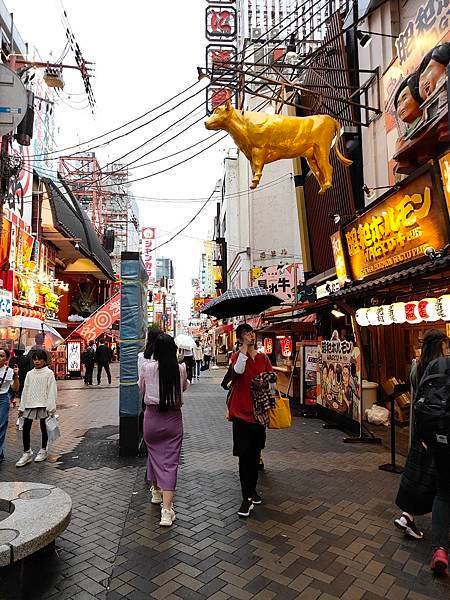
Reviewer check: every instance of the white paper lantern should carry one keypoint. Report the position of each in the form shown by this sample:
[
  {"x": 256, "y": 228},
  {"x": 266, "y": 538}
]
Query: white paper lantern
[
  {"x": 412, "y": 312},
  {"x": 386, "y": 315},
  {"x": 372, "y": 315},
  {"x": 428, "y": 309},
  {"x": 443, "y": 307},
  {"x": 397, "y": 312},
  {"x": 361, "y": 317}
]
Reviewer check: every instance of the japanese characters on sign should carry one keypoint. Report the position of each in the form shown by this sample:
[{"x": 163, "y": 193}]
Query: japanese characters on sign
[
  {"x": 281, "y": 279},
  {"x": 73, "y": 356},
  {"x": 221, "y": 28},
  {"x": 221, "y": 22},
  {"x": 5, "y": 303},
  {"x": 431, "y": 23},
  {"x": 444, "y": 164},
  {"x": 398, "y": 230},
  {"x": 268, "y": 345},
  {"x": 101, "y": 320},
  {"x": 148, "y": 251},
  {"x": 219, "y": 61},
  {"x": 339, "y": 377},
  {"x": 415, "y": 86}
]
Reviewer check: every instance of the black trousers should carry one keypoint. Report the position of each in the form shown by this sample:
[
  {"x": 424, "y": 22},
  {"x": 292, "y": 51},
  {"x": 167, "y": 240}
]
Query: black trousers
[
  {"x": 189, "y": 362},
  {"x": 248, "y": 441},
  {"x": 101, "y": 366},
  {"x": 27, "y": 423},
  {"x": 88, "y": 372},
  {"x": 207, "y": 360}
]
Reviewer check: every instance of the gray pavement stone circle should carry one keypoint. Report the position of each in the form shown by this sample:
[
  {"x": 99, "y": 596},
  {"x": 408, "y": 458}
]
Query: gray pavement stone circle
[{"x": 323, "y": 532}]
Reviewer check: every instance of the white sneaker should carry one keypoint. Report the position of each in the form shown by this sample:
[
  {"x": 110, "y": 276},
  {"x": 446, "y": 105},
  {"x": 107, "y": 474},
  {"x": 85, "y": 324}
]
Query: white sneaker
[
  {"x": 41, "y": 455},
  {"x": 156, "y": 495},
  {"x": 167, "y": 517},
  {"x": 26, "y": 458}
]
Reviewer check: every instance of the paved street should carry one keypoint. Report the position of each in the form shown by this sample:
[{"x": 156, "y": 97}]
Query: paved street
[{"x": 324, "y": 531}]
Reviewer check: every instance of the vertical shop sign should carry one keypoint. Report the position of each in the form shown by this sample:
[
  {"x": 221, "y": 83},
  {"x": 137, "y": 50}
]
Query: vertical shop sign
[
  {"x": 5, "y": 242},
  {"x": 73, "y": 356},
  {"x": 148, "y": 250},
  {"x": 444, "y": 164},
  {"x": 221, "y": 28},
  {"x": 339, "y": 258},
  {"x": 339, "y": 377},
  {"x": 5, "y": 303}
]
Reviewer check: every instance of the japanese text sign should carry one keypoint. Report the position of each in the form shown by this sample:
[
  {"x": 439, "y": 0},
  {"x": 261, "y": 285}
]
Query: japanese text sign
[
  {"x": 339, "y": 377},
  {"x": 424, "y": 31},
  {"x": 148, "y": 250},
  {"x": 397, "y": 230},
  {"x": 221, "y": 22},
  {"x": 5, "y": 303},
  {"x": 281, "y": 280},
  {"x": 101, "y": 320}
]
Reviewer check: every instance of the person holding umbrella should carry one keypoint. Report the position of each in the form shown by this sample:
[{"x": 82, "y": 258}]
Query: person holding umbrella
[{"x": 248, "y": 436}]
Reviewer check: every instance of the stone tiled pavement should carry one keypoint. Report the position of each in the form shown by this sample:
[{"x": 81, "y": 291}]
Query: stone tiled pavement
[{"x": 324, "y": 531}]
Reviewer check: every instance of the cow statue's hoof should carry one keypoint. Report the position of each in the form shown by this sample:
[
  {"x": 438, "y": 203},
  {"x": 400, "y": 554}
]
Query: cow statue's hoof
[{"x": 324, "y": 188}]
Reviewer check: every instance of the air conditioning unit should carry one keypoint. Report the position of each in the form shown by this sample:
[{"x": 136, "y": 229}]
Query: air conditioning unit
[
  {"x": 256, "y": 33},
  {"x": 275, "y": 34}
]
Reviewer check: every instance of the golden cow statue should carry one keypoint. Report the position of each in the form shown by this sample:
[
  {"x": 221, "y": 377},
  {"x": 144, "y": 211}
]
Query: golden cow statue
[{"x": 265, "y": 138}]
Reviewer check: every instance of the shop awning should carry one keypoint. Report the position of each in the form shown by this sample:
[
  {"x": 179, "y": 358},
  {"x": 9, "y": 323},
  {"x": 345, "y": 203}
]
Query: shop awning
[
  {"x": 72, "y": 221},
  {"x": 299, "y": 323},
  {"x": 418, "y": 272}
]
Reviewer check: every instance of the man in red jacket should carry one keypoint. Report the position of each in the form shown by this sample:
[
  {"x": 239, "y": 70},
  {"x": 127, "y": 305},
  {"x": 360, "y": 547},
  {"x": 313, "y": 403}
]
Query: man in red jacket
[{"x": 248, "y": 436}]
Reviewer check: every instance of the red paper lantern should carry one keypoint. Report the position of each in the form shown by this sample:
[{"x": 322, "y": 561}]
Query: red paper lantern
[{"x": 268, "y": 345}]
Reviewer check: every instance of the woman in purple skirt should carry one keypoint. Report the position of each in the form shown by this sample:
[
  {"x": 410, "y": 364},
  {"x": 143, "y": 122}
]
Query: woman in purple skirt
[{"x": 163, "y": 381}]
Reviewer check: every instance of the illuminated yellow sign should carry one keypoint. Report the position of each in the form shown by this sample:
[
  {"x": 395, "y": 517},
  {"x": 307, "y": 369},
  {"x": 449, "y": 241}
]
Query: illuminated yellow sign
[
  {"x": 444, "y": 164},
  {"x": 398, "y": 230}
]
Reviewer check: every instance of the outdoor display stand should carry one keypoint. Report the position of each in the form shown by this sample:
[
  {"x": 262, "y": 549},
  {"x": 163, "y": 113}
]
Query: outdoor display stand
[
  {"x": 392, "y": 467},
  {"x": 339, "y": 387},
  {"x": 306, "y": 361}
]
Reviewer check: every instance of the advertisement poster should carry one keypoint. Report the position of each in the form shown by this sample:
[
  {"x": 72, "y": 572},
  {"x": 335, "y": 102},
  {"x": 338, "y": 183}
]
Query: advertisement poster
[
  {"x": 101, "y": 320},
  {"x": 415, "y": 86},
  {"x": 281, "y": 280},
  {"x": 339, "y": 377},
  {"x": 309, "y": 373},
  {"x": 73, "y": 356}
]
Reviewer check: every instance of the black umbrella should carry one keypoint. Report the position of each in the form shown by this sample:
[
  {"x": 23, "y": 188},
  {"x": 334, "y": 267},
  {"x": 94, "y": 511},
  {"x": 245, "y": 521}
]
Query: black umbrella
[{"x": 235, "y": 303}]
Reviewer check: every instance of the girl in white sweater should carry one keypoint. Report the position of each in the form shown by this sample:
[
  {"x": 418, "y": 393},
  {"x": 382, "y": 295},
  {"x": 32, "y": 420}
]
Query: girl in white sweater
[{"x": 37, "y": 402}]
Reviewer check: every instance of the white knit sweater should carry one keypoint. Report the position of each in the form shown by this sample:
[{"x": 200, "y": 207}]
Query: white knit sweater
[{"x": 39, "y": 390}]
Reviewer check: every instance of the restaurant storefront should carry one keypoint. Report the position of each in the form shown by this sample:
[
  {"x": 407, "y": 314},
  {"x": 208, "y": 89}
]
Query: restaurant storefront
[{"x": 394, "y": 265}]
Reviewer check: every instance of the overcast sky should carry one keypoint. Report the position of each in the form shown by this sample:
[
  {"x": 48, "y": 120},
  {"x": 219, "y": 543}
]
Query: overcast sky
[{"x": 145, "y": 52}]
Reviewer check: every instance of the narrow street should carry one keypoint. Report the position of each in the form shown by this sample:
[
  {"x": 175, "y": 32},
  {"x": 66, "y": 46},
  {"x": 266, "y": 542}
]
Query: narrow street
[{"x": 324, "y": 531}]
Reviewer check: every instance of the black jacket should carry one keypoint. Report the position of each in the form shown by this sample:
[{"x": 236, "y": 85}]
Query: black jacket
[{"x": 103, "y": 355}]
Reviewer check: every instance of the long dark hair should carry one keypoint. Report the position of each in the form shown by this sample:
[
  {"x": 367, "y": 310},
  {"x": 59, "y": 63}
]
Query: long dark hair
[
  {"x": 165, "y": 353},
  {"x": 431, "y": 349},
  {"x": 152, "y": 334}
]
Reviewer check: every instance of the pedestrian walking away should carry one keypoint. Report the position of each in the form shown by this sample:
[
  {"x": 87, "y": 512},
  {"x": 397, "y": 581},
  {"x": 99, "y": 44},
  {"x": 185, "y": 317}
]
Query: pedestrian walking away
[
  {"x": 417, "y": 488},
  {"x": 103, "y": 356},
  {"x": 207, "y": 353},
  {"x": 163, "y": 381},
  {"x": 9, "y": 381},
  {"x": 38, "y": 401},
  {"x": 248, "y": 436},
  {"x": 188, "y": 359},
  {"x": 198, "y": 359},
  {"x": 88, "y": 360}
]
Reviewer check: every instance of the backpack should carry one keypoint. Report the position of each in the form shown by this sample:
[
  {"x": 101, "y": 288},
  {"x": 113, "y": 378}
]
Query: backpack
[{"x": 432, "y": 404}]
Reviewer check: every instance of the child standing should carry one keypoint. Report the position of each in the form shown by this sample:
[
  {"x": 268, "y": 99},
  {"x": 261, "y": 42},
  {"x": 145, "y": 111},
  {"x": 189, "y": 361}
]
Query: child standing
[{"x": 37, "y": 402}]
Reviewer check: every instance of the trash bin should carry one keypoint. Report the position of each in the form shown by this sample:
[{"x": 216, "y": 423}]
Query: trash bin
[{"x": 369, "y": 395}]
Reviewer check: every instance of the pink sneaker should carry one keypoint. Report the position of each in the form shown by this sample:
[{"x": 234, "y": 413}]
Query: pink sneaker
[{"x": 439, "y": 561}]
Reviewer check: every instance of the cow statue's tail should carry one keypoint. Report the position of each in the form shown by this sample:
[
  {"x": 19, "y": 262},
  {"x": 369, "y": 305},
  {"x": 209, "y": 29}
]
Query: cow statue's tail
[{"x": 344, "y": 160}]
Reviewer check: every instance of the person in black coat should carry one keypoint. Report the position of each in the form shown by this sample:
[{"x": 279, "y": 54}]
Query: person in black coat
[
  {"x": 88, "y": 360},
  {"x": 103, "y": 356}
]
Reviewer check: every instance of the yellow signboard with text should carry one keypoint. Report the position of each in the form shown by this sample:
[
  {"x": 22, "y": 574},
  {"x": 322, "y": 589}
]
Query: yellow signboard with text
[{"x": 397, "y": 230}]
